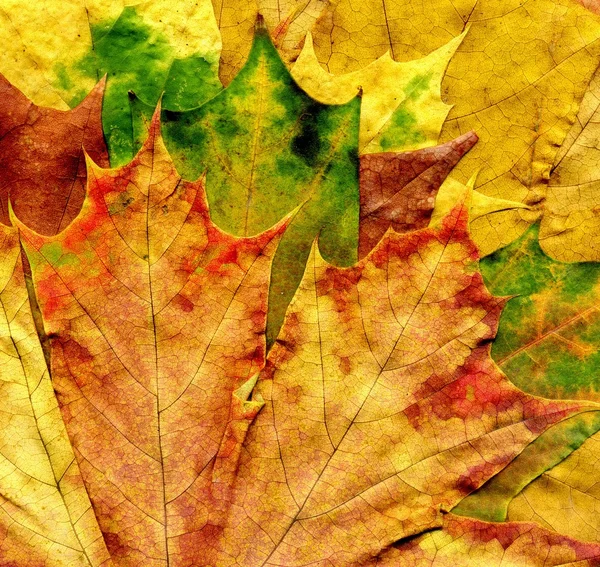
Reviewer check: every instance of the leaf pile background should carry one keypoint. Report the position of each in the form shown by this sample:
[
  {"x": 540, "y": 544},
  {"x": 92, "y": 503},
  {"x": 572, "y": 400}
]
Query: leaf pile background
[{"x": 299, "y": 283}]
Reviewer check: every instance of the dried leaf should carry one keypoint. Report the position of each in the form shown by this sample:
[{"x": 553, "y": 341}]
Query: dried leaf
[
  {"x": 289, "y": 20},
  {"x": 380, "y": 383},
  {"x": 156, "y": 318},
  {"x": 45, "y": 514},
  {"x": 548, "y": 339},
  {"x": 42, "y": 162},
  {"x": 56, "y": 52},
  {"x": 517, "y": 80},
  {"x": 398, "y": 190},
  {"x": 569, "y": 229}
]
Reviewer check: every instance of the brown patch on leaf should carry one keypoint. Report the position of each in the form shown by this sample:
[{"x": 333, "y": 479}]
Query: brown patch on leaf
[
  {"x": 42, "y": 160},
  {"x": 398, "y": 189}
]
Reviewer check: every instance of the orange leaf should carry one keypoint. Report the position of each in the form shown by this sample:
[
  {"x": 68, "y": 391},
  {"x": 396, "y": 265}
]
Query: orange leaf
[{"x": 382, "y": 406}]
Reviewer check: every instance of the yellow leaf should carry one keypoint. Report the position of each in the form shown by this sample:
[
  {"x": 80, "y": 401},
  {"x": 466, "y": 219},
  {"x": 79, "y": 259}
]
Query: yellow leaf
[
  {"x": 45, "y": 514},
  {"x": 401, "y": 108},
  {"x": 481, "y": 208},
  {"x": 289, "y": 21},
  {"x": 570, "y": 228},
  {"x": 566, "y": 498},
  {"x": 517, "y": 80}
]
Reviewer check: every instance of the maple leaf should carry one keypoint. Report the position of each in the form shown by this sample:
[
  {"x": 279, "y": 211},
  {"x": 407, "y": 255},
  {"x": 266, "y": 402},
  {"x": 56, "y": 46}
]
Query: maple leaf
[
  {"x": 380, "y": 384},
  {"x": 517, "y": 79},
  {"x": 401, "y": 106},
  {"x": 55, "y": 55},
  {"x": 269, "y": 148},
  {"x": 548, "y": 339},
  {"x": 42, "y": 157}
]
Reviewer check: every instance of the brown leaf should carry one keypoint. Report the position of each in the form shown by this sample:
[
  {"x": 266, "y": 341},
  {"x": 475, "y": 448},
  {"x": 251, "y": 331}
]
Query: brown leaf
[
  {"x": 398, "y": 189},
  {"x": 42, "y": 162}
]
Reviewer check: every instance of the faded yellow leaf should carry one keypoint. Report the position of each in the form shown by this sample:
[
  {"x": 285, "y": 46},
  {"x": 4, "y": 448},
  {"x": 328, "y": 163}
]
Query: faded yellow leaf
[
  {"x": 566, "y": 498},
  {"x": 45, "y": 514},
  {"x": 402, "y": 108},
  {"x": 570, "y": 228},
  {"x": 517, "y": 80},
  {"x": 288, "y": 20}
]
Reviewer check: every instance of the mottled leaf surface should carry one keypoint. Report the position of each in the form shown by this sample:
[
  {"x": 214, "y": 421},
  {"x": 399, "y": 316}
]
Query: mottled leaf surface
[
  {"x": 45, "y": 513},
  {"x": 398, "y": 190},
  {"x": 472, "y": 543},
  {"x": 268, "y": 148},
  {"x": 401, "y": 106},
  {"x": 566, "y": 498},
  {"x": 156, "y": 318},
  {"x": 42, "y": 162},
  {"x": 548, "y": 339},
  {"x": 516, "y": 79},
  {"x": 382, "y": 408}
]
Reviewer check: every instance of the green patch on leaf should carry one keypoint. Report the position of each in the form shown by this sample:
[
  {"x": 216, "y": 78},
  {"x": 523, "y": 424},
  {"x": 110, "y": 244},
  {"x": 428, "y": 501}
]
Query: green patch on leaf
[
  {"x": 136, "y": 57},
  {"x": 549, "y": 334},
  {"x": 267, "y": 149},
  {"x": 490, "y": 503}
]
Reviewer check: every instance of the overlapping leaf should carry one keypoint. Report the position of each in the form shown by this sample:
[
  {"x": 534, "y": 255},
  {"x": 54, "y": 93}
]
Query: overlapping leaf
[
  {"x": 472, "y": 543},
  {"x": 380, "y": 384},
  {"x": 165, "y": 320},
  {"x": 517, "y": 80},
  {"x": 269, "y": 148},
  {"x": 42, "y": 162},
  {"x": 45, "y": 514},
  {"x": 398, "y": 190},
  {"x": 56, "y": 52},
  {"x": 401, "y": 106},
  {"x": 566, "y": 498}
]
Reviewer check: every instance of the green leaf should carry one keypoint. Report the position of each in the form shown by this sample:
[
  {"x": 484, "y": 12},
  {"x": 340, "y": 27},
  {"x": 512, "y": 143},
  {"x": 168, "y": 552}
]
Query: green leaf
[
  {"x": 137, "y": 54},
  {"x": 268, "y": 148},
  {"x": 548, "y": 341}
]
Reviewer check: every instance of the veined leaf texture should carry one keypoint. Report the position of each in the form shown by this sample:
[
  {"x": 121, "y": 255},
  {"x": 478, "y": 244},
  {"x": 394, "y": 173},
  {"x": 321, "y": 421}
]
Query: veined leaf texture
[{"x": 299, "y": 283}]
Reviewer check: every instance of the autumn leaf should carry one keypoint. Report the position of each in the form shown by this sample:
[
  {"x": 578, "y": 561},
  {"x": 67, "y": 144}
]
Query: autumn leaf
[
  {"x": 472, "y": 543},
  {"x": 45, "y": 514},
  {"x": 398, "y": 190},
  {"x": 565, "y": 498},
  {"x": 401, "y": 106},
  {"x": 57, "y": 52},
  {"x": 569, "y": 229},
  {"x": 159, "y": 299},
  {"x": 42, "y": 161},
  {"x": 290, "y": 20},
  {"x": 517, "y": 79},
  {"x": 548, "y": 338},
  {"x": 269, "y": 148},
  {"x": 380, "y": 383},
  {"x": 154, "y": 48},
  {"x": 547, "y": 344}
]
